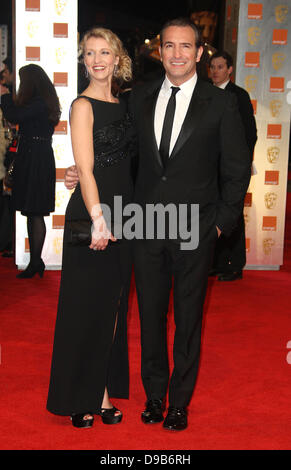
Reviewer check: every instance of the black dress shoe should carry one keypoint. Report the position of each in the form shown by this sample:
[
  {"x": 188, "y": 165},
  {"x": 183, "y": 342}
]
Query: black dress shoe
[
  {"x": 230, "y": 276},
  {"x": 153, "y": 412},
  {"x": 176, "y": 419}
]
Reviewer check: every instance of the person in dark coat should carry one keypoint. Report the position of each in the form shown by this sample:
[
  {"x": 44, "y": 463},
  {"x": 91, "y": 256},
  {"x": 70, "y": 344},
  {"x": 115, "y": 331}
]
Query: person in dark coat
[
  {"x": 37, "y": 111},
  {"x": 230, "y": 251}
]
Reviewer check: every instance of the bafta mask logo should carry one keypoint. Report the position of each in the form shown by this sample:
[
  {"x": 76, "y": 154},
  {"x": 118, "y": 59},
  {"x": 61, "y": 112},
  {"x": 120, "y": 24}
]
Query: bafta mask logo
[
  {"x": 247, "y": 218},
  {"x": 32, "y": 28},
  {"x": 251, "y": 82},
  {"x": 275, "y": 107},
  {"x": 206, "y": 22},
  {"x": 58, "y": 245},
  {"x": 281, "y": 12},
  {"x": 273, "y": 154},
  {"x": 60, "y": 198},
  {"x": 59, "y": 151},
  {"x": 278, "y": 60},
  {"x": 254, "y": 34},
  {"x": 60, "y": 6},
  {"x": 268, "y": 244},
  {"x": 60, "y": 55},
  {"x": 270, "y": 200}
]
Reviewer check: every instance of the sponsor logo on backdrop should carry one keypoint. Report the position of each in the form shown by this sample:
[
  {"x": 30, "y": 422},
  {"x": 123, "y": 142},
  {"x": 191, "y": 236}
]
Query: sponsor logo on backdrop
[
  {"x": 234, "y": 35},
  {"x": 32, "y": 54},
  {"x": 228, "y": 13},
  {"x": 274, "y": 131},
  {"x": 281, "y": 12},
  {"x": 272, "y": 177},
  {"x": 32, "y": 29},
  {"x": 60, "y": 6},
  {"x": 275, "y": 107},
  {"x": 61, "y": 30},
  {"x": 268, "y": 244},
  {"x": 60, "y": 175},
  {"x": 60, "y": 54},
  {"x": 280, "y": 36},
  {"x": 255, "y": 11},
  {"x": 254, "y": 35},
  {"x": 61, "y": 128},
  {"x": 60, "y": 78},
  {"x": 278, "y": 60},
  {"x": 269, "y": 224},
  {"x": 252, "y": 59},
  {"x": 32, "y": 5},
  {"x": 277, "y": 84},
  {"x": 255, "y": 105},
  {"x": 248, "y": 245},
  {"x": 57, "y": 245},
  {"x": 273, "y": 154},
  {"x": 247, "y": 218},
  {"x": 58, "y": 222},
  {"x": 270, "y": 200},
  {"x": 251, "y": 82},
  {"x": 60, "y": 198},
  {"x": 26, "y": 245},
  {"x": 248, "y": 200},
  {"x": 59, "y": 151}
]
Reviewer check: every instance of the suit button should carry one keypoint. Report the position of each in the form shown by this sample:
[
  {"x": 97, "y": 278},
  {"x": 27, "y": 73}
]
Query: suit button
[{"x": 164, "y": 178}]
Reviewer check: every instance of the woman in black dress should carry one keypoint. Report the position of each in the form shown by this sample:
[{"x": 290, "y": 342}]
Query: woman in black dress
[
  {"x": 37, "y": 111},
  {"x": 90, "y": 361}
]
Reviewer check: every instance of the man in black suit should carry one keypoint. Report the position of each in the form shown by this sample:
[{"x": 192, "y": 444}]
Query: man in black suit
[
  {"x": 192, "y": 151},
  {"x": 230, "y": 251},
  {"x": 199, "y": 158}
]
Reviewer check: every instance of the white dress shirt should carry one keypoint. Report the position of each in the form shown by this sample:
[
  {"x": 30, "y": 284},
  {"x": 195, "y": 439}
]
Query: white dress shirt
[
  {"x": 183, "y": 98},
  {"x": 223, "y": 85}
]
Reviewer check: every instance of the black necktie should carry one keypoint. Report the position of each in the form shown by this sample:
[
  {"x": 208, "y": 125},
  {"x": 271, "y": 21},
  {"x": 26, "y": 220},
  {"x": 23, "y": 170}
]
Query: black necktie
[{"x": 167, "y": 126}]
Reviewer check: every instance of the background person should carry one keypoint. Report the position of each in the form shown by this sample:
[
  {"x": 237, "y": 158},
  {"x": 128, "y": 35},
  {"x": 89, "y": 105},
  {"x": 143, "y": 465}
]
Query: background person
[
  {"x": 37, "y": 112},
  {"x": 230, "y": 251}
]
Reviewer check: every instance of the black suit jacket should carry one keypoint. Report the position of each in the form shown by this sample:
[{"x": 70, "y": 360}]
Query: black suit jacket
[
  {"x": 247, "y": 114},
  {"x": 211, "y": 145}
]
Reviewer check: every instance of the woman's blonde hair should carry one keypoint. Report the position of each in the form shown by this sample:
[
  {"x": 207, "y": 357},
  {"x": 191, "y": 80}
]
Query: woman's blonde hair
[{"x": 123, "y": 71}]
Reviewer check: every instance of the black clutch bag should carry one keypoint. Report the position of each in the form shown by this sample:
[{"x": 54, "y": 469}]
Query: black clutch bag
[{"x": 79, "y": 232}]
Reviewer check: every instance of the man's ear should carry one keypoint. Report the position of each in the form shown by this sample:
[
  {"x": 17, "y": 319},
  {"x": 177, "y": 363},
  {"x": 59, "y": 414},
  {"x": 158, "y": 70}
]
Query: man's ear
[{"x": 199, "y": 54}]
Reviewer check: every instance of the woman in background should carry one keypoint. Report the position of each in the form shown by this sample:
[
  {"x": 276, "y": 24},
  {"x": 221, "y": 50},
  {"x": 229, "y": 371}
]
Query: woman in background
[{"x": 37, "y": 111}]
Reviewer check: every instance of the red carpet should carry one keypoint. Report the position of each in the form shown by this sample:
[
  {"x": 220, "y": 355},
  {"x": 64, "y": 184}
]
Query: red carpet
[{"x": 243, "y": 394}]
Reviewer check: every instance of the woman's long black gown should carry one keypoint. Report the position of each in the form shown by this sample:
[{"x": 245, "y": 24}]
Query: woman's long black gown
[{"x": 87, "y": 356}]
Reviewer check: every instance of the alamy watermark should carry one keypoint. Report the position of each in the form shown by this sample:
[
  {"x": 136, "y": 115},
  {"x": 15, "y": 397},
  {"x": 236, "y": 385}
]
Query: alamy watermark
[{"x": 154, "y": 221}]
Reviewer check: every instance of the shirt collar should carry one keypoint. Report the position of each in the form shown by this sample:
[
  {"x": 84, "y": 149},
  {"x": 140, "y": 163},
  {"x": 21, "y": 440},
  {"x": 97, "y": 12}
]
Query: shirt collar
[
  {"x": 223, "y": 85},
  {"x": 186, "y": 88}
]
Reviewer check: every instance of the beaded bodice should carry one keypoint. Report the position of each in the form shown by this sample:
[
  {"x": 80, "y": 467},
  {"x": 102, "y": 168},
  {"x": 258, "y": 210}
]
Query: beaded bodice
[{"x": 114, "y": 142}]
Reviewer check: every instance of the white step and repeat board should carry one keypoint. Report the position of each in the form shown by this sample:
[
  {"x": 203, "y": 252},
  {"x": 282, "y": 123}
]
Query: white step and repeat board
[
  {"x": 263, "y": 68},
  {"x": 46, "y": 34}
]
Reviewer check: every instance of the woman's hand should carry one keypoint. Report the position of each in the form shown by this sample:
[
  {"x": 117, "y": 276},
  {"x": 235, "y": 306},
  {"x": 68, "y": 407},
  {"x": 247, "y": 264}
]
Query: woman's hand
[
  {"x": 100, "y": 234},
  {"x": 71, "y": 177}
]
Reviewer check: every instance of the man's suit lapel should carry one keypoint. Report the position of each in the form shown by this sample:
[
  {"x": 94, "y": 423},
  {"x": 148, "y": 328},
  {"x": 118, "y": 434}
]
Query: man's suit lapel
[
  {"x": 197, "y": 108},
  {"x": 149, "y": 119}
]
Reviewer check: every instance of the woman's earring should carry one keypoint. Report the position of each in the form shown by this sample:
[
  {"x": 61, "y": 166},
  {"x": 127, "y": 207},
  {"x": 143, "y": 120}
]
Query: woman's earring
[
  {"x": 86, "y": 72},
  {"x": 115, "y": 70}
]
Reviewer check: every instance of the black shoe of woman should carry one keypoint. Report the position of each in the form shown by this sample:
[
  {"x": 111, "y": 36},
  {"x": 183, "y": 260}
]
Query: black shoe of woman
[
  {"x": 82, "y": 420},
  {"x": 109, "y": 415},
  {"x": 31, "y": 270}
]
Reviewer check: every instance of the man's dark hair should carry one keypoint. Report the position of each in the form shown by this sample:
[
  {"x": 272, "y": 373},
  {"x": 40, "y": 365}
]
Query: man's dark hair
[
  {"x": 225, "y": 55},
  {"x": 182, "y": 22}
]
